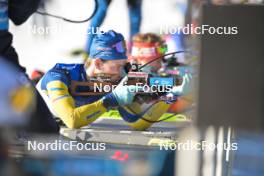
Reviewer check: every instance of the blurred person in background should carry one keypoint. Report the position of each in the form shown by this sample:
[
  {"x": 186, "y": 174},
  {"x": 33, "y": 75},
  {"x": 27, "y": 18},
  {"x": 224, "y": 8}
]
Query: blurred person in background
[
  {"x": 19, "y": 11},
  {"x": 17, "y": 103},
  {"x": 17, "y": 96},
  {"x": 148, "y": 46},
  {"x": 134, "y": 8},
  {"x": 36, "y": 75}
]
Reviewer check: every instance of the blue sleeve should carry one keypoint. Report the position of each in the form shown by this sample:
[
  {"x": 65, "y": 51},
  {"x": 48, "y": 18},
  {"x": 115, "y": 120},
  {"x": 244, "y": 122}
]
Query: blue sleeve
[
  {"x": 54, "y": 75},
  {"x": 3, "y": 15},
  {"x": 128, "y": 117}
]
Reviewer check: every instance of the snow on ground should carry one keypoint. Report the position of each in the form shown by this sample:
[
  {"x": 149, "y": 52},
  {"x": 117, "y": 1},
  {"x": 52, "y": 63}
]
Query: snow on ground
[{"x": 43, "y": 51}]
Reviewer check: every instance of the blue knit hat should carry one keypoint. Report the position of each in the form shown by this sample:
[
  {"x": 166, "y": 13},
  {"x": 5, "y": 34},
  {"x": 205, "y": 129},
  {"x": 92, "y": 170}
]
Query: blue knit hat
[{"x": 108, "y": 46}]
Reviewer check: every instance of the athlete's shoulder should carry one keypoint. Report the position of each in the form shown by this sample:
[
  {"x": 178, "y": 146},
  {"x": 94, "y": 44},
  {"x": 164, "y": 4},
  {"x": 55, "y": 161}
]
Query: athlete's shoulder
[
  {"x": 68, "y": 67},
  {"x": 62, "y": 72}
]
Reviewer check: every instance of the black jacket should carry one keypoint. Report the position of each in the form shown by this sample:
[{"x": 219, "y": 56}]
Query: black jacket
[{"x": 18, "y": 11}]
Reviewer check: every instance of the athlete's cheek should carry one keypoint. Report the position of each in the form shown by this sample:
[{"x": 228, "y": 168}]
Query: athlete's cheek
[{"x": 115, "y": 69}]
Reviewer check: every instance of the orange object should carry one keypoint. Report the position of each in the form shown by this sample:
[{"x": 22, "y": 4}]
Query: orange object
[
  {"x": 179, "y": 106},
  {"x": 36, "y": 74},
  {"x": 120, "y": 156}
]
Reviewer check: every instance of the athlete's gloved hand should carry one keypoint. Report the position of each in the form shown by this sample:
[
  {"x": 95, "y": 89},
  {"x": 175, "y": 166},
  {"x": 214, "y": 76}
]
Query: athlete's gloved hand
[
  {"x": 122, "y": 95},
  {"x": 125, "y": 94},
  {"x": 180, "y": 90},
  {"x": 184, "y": 88}
]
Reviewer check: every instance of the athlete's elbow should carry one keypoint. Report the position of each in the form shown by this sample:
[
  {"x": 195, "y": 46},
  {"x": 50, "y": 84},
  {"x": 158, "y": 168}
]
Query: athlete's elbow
[
  {"x": 72, "y": 125},
  {"x": 72, "y": 122}
]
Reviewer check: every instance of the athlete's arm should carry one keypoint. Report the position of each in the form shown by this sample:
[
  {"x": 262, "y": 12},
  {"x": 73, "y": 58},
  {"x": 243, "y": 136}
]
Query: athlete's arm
[
  {"x": 64, "y": 106},
  {"x": 151, "y": 114},
  {"x": 62, "y": 103},
  {"x": 54, "y": 88}
]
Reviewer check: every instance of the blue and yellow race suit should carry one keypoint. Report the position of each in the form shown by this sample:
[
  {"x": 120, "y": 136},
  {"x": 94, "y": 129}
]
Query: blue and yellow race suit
[{"x": 78, "y": 111}]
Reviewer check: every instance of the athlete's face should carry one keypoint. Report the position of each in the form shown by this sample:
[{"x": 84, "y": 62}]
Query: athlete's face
[
  {"x": 112, "y": 68},
  {"x": 156, "y": 64}
]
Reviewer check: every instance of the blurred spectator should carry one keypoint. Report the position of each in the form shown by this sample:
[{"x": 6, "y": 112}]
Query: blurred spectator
[
  {"x": 134, "y": 7},
  {"x": 17, "y": 96},
  {"x": 146, "y": 47},
  {"x": 36, "y": 75},
  {"x": 19, "y": 11}
]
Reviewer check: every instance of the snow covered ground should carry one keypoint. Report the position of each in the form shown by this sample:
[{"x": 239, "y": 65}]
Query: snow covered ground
[{"x": 37, "y": 50}]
